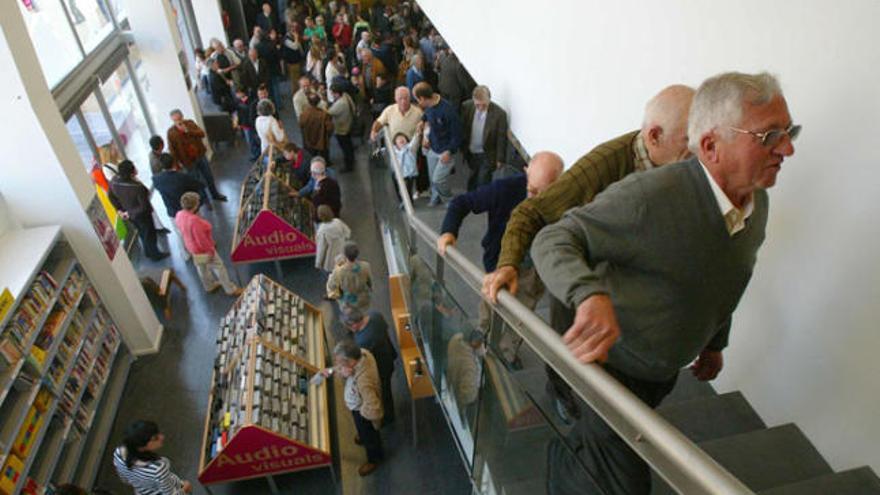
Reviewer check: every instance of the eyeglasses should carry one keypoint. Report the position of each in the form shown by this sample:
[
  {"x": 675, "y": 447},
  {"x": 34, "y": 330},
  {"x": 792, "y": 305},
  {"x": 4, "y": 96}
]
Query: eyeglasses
[{"x": 772, "y": 137}]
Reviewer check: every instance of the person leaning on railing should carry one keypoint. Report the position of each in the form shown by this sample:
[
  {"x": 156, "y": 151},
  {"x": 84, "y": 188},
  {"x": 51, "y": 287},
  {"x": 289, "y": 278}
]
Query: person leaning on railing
[
  {"x": 661, "y": 140},
  {"x": 498, "y": 199},
  {"x": 657, "y": 264}
]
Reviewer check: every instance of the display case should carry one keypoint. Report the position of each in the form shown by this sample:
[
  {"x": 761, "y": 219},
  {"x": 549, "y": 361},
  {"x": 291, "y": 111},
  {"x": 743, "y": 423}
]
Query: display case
[
  {"x": 60, "y": 348},
  {"x": 264, "y": 416},
  {"x": 272, "y": 224}
]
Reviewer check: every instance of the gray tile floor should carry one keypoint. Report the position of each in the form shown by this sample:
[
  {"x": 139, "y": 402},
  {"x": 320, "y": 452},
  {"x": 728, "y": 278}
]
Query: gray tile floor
[{"x": 172, "y": 386}]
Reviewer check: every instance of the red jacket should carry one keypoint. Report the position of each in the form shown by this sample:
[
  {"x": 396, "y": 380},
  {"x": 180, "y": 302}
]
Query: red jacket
[{"x": 342, "y": 34}]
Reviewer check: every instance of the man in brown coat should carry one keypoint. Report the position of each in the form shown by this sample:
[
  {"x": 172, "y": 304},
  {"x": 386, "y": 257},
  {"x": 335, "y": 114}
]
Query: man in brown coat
[
  {"x": 185, "y": 143},
  {"x": 316, "y": 125},
  {"x": 363, "y": 397}
]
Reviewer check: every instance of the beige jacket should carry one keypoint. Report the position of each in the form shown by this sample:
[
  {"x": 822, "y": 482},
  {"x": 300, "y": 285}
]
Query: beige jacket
[{"x": 366, "y": 378}]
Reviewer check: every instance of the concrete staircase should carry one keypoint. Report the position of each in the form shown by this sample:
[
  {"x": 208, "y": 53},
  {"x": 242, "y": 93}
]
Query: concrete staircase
[{"x": 776, "y": 460}]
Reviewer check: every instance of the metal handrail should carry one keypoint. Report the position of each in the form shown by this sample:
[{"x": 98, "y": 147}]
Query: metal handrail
[{"x": 680, "y": 462}]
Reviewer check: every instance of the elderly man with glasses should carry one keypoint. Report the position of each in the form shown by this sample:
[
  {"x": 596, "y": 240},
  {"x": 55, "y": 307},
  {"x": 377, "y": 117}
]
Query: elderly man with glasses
[{"x": 657, "y": 263}]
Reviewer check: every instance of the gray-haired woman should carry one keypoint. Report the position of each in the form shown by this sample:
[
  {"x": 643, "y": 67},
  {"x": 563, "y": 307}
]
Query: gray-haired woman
[{"x": 271, "y": 131}]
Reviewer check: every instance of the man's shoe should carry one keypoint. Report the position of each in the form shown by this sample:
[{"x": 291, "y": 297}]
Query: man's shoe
[
  {"x": 221, "y": 198},
  {"x": 367, "y": 469},
  {"x": 435, "y": 202}
]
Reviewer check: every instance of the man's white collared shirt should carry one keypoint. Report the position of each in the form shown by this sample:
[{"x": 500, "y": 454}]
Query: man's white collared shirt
[{"x": 734, "y": 218}]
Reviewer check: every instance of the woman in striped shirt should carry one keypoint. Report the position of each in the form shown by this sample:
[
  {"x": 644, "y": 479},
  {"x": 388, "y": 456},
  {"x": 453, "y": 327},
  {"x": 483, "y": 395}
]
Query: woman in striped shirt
[{"x": 138, "y": 464}]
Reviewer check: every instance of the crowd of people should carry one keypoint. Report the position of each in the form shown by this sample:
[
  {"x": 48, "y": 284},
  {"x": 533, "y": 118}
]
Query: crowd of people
[{"x": 645, "y": 244}]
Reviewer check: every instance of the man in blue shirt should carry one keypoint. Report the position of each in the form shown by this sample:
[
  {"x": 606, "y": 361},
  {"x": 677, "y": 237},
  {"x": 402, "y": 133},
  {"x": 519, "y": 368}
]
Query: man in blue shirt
[
  {"x": 172, "y": 183},
  {"x": 499, "y": 198},
  {"x": 445, "y": 138}
]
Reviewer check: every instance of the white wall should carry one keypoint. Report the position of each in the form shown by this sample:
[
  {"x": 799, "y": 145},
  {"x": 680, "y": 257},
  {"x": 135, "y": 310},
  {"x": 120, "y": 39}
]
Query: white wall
[
  {"x": 574, "y": 73},
  {"x": 6, "y": 221},
  {"x": 44, "y": 183}
]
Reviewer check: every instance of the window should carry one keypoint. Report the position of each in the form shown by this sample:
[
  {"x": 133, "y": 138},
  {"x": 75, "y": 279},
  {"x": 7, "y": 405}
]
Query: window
[
  {"x": 117, "y": 7},
  {"x": 81, "y": 141},
  {"x": 54, "y": 41},
  {"x": 100, "y": 131},
  {"x": 92, "y": 21},
  {"x": 128, "y": 119}
]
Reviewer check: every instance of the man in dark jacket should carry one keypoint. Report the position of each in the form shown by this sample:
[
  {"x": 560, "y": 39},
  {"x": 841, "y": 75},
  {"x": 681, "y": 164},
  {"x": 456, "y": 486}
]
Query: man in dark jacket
[
  {"x": 371, "y": 332},
  {"x": 172, "y": 183},
  {"x": 324, "y": 190},
  {"x": 498, "y": 199},
  {"x": 269, "y": 50},
  {"x": 453, "y": 81},
  {"x": 253, "y": 71},
  {"x": 246, "y": 110},
  {"x": 132, "y": 199},
  {"x": 484, "y": 130}
]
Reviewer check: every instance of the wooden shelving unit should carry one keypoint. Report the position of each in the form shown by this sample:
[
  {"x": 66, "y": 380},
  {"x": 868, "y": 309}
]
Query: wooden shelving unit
[
  {"x": 264, "y": 416},
  {"x": 271, "y": 224},
  {"x": 60, "y": 347}
]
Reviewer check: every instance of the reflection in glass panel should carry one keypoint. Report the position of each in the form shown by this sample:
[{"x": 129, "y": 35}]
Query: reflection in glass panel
[
  {"x": 53, "y": 39},
  {"x": 453, "y": 350},
  {"x": 107, "y": 151},
  {"x": 82, "y": 143},
  {"x": 128, "y": 117},
  {"x": 91, "y": 20}
]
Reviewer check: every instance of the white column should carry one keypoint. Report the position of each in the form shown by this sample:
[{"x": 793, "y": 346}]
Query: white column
[
  {"x": 44, "y": 182},
  {"x": 210, "y": 21},
  {"x": 156, "y": 36}
]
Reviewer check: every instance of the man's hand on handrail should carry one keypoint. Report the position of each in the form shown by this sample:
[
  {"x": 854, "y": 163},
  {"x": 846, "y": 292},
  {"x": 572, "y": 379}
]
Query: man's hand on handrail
[
  {"x": 594, "y": 331},
  {"x": 444, "y": 241},
  {"x": 505, "y": 277}
]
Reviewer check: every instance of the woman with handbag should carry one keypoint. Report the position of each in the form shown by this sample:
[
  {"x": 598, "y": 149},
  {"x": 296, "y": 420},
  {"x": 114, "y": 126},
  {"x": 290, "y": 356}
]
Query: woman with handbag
[{"x": 199, "y": 242}]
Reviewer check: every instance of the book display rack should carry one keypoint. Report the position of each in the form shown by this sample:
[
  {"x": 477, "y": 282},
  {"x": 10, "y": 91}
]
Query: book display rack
[
  {"x": 272, "y": 224},
  {"x": 60, "y": 356},
  {"x": 264, "y": 416}
]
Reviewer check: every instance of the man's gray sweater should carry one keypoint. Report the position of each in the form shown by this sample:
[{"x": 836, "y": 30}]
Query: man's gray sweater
[{"x": 657, "y": 244}]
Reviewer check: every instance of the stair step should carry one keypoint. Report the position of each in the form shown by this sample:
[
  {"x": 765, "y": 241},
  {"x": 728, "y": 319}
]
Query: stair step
[
  {"x": 711, "y": 417},
  {"x": 687, "y": 387},
  {"x": 768, "y": 458},
  {"x": 861, "y": 481}
]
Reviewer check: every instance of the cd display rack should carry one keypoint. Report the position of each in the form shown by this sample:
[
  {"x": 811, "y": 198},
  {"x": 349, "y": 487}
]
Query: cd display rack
[
  {"x": 273, "y": 223},
  {"x": 264, "y": 416}
]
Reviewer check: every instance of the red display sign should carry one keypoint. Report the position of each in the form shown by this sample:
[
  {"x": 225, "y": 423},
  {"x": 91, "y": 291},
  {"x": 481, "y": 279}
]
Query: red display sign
[
  {"x": 256, "y": 452},
  {"x": 271, "y": 238}
]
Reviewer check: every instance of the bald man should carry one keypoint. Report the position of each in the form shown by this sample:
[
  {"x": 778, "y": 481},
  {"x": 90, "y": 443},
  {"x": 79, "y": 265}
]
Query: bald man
[
  {"x": 661, "y": 140},
  {"x": 498, "y": 199},
  {"x": 402, "y": 116}
]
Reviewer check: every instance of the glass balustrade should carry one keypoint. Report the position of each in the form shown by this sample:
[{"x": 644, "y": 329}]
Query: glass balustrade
[{"x": 491, "y": 385}]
